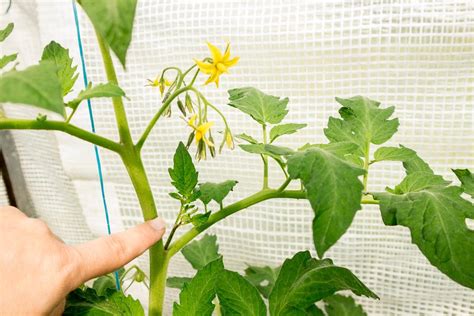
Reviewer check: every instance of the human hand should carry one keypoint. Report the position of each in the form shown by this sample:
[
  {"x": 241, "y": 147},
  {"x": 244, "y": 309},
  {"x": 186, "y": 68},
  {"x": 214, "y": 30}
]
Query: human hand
[{"x": 37, "y": 270}]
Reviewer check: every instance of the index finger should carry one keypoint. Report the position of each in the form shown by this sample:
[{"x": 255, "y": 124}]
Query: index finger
[{"x": 106, "y": 254}]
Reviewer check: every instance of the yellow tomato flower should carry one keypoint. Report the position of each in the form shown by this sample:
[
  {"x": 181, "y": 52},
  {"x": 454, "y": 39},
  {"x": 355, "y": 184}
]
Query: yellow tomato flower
[
  {"x": 229, "y": 140},
  {"x": 220, "y": 63},
  {"x": 201, "y": 130},
  {"x": 161, "y": 83}
]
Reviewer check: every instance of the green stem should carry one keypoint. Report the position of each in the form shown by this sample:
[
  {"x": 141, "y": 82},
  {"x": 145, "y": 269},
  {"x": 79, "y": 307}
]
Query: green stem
[
  {"x": 231, "y": 209},
  {"x": 158, "y": 258},
  {"x": 119, "y": 109},
  {"x": 284, "y": 185},
  {"x": 157, "y": 116},
  {"x": 256, "y": 198},
  {"x": 72, "y": 114},
  {"x": 265, "y": 159},
  {"x": 176, "y": 225},
  {"x": 62, "y": 127},
  {"x": 170, "y": 237},
  {"x": 282, "y": 167},
  {"x": 206, "y": 102},
  {"x": 136, "y": 170},
  {"x": 366, "y": 166}
]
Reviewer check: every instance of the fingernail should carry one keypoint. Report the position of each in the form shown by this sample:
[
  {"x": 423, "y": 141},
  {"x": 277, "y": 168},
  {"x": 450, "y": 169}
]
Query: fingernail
[{"x": 158, "y": 224}]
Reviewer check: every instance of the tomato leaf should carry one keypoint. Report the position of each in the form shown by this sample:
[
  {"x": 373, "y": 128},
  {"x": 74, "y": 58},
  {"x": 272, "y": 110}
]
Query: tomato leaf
[
  {"x": 183, "y": 174},
  {"x": 304, "y": 280},
  {"x": 467, "y": 180},
  {"x": 196, "y": 296},
  {"x": 5, "y": 60},
  {"x": 411, "y": 161},
  {"x": 59, "y": 56},
  {"x": 215, "y": 191},
  {"x": 38, "y": 86},
  {"x": 237, "y": 296},
  {"x": 88, "y": 302},
  {"x": 436, "y": 215},
  {"x": 263, "y": 278},
  {"x": 333, "y": 189},
  {"x": 338, "y": 305},
  {"x": 362, "y": 122},
  {"x": 113, "y": 20},
  {"x": 200, "y": 252},
  {"x": 177, "y": 282},
  {"x": 247, "y": 138},
  {"x": 4, "y": 33},
  {"x": 284, "y": 129},
  {"x": 393, "y": 154},
  {"x": 101, "y": 90},
  {"x": 263, "y": 108},
  {"x": 267, "y": 149}
]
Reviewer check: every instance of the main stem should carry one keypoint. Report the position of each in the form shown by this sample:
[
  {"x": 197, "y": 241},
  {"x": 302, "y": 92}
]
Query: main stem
[
  {"x": 158, "y": 258},
  {"x": 265, "y": 159},
  {"x": 119, "y": 109},
  {"x": 136, "y": 170},
  {"x": 366, "y": 166}
]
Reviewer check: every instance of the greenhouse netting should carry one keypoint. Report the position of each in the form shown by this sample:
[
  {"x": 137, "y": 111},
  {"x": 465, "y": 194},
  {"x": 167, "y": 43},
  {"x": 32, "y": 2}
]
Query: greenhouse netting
[{"x": 417, "y": 56}]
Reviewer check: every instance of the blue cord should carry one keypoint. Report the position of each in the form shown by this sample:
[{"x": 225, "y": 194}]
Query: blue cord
[{"x": 91, "y": 117}]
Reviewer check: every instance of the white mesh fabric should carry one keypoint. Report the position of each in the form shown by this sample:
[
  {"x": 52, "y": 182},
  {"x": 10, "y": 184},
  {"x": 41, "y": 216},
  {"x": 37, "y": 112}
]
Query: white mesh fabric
[
  {"x": 416, "y": 55},
  {"x": 52, "y": 194}
]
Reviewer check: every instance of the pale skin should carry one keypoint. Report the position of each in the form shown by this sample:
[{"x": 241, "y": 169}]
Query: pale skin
[{"x": 38, "y": 270}]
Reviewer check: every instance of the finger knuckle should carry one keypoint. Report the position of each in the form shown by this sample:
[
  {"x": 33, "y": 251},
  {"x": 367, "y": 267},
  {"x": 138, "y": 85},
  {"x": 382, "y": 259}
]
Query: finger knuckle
[
  {"x": 38, "y": 226},
  {"x": 9, "y": 208},
  {"x": 70, "y": 265},
  {"x": 148, "y": 233}
]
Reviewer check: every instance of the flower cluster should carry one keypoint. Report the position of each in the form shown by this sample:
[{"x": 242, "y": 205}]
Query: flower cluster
[{"x": 197, "y": 107}]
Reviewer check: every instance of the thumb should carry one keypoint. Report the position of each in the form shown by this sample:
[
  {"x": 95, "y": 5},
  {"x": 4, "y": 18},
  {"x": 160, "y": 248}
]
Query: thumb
[{"x": 106, "y": 254}]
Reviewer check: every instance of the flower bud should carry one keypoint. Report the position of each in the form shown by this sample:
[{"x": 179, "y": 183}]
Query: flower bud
[
  {"x": 162, "y": 85},
  {"x": 212, "y": 150},
  {"x": 190, "y": 139},
  {"x": 139, "y": 276},
  {"x": 189, "y": 103},
  {"x": 201, "y": 150},
  {"x": 181, "y": 107},
  {"x": 229, "y": 139}
]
